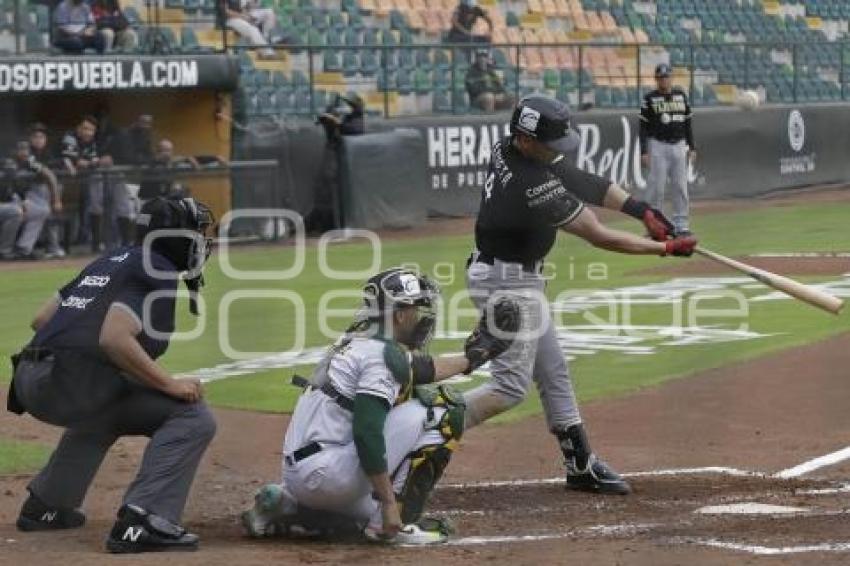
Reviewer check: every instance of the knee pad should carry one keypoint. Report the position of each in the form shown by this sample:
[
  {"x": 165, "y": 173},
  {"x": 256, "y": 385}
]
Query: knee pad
[{"x": 428, "y": 463}]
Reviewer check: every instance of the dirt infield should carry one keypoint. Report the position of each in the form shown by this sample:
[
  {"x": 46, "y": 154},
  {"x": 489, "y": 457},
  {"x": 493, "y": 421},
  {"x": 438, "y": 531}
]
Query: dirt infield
[{"x": 713, "y": 439}]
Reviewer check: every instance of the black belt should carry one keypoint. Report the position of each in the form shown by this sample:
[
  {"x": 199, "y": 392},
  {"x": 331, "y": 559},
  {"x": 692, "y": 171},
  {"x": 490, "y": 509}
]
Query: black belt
[
  {"x": 340, "y": 399},
  {"x": 670, "y": 142},
  {"x": 527, "y": 266},
  {"x": 304, "y": 452}
]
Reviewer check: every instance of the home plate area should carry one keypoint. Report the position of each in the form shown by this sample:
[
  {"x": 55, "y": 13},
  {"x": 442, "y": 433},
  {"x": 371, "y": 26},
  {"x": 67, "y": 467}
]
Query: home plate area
[{"x": 734, "y": 510}]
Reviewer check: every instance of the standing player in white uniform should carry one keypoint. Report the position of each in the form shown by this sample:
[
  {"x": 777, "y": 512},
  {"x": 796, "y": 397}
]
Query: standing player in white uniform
[{"x": 370, "y": 438}]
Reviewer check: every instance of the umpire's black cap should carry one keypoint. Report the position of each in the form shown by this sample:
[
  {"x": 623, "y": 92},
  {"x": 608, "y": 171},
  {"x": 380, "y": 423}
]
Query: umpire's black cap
[
  {"x": 547, "y": 120},
  {"x": 663, "y": 70}
]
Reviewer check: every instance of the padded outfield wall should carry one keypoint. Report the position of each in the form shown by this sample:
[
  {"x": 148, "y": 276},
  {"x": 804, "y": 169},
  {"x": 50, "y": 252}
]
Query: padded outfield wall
[{"x": 398, "y": 179}]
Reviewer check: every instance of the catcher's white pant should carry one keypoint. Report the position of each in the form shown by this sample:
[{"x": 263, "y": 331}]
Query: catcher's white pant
[
  {"x": 535, "y": 353},
  {"x": 332, "y": 480}
]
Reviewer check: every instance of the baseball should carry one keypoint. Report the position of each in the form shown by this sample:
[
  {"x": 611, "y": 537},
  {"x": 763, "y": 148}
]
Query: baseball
[{"x": 748, "y": 100}]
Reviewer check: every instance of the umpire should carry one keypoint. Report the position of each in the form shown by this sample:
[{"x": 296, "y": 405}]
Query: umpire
[
  {"x": 530, "y": 193},
  {"x": 91, "y": 369},
  {"x": 667, "y": 144}
]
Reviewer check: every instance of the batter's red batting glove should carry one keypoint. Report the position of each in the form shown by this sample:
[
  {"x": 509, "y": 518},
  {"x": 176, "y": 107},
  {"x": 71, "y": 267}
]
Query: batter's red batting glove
[
  {"x": 682, "y": 247},
  {"x": 657, "y": 225}
]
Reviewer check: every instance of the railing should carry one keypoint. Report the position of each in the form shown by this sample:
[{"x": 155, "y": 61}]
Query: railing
[{"x": 779, "y": 72}]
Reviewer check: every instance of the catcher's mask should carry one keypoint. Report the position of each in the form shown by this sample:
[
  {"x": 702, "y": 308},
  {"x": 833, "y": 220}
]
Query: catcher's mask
[
  {"x": 394, "y": 289},
  {"x": 177, "y": 230}
]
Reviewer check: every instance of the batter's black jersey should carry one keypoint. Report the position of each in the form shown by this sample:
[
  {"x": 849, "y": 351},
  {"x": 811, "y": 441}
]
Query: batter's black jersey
[
  {"x": 666, "y": 118},
  {"x": 524, "y": 202},
  {"x": 119, "y": 277}
]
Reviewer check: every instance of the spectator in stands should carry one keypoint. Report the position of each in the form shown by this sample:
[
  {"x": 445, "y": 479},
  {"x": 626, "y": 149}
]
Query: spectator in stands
[
  {"x": 484, "y": 85},
  {"x": 42, "y": 152},
  {"x": 75, "y": 29},
  {"x": 463, "y": 22},
  {"x": 11, "y": 216},
  {"x": 138, "y": 141},
  {"x": 252, "y": 22},
  {"x": 113, "y": 25},
  {"x": 81, "y": 158},
  {"x": 37, "y": 186},
  {"x": 159, "y": 181}
]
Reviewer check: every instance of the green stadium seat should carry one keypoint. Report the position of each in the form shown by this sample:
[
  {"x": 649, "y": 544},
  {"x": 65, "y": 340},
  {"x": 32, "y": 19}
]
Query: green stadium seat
[
  {"x": 352, "y": 37},
  {"x": 551, "y": 79},
  {"x": 350, "y": 63},
  {"x": 422, "y": 83},
  {"x": 283, "y": 99},
  {"x": 406, "y": 59},
  {"x": 331, "y": 61},
  {"x": 369, "y": 62},
  {"x": 404, "y": 81},
  {"x": 280, "y": 81},
  {"x": 441, "y": 103},
  {"x": 189, "y": 42},
  {"x": 423, "y": 59}
]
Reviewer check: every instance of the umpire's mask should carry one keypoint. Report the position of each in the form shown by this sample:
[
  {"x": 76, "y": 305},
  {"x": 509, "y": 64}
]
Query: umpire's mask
[{"x": 177, "y": 230}]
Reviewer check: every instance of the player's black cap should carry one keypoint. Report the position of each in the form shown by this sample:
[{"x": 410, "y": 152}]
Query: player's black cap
[
  {"x": 547, "y": 120},
  {"x": 663, "y": 70}
]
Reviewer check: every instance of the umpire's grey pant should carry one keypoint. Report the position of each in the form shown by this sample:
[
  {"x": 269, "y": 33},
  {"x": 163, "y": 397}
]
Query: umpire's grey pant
[
  {"x": 179, "y": 435},
  {"x": 669, "y": 161},
  {"x": 535, "y": 354}
]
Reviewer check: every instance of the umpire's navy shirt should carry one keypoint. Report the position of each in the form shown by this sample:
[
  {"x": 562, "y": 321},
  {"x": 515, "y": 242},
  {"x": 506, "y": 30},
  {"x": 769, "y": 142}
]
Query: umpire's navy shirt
[{"x": 118, "y": 278}]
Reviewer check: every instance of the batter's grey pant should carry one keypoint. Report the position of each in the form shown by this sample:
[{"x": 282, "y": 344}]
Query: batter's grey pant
[
  {"x": 11, "y": 216},
  {"x": 179, "y": 435},
  {"x": 37, "y": 212},
  {"x": 535, "y": 354},
  {"x": 669, "y": 161}
]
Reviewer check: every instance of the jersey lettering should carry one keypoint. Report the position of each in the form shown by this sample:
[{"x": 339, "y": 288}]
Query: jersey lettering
[
  {"x": 76, "y": 302},
  {"x": 94, "y": 281}
]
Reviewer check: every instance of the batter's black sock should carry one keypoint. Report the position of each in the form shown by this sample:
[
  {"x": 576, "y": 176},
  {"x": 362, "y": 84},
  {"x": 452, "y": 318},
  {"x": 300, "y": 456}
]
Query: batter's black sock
[{"x": 574, "y": 445}]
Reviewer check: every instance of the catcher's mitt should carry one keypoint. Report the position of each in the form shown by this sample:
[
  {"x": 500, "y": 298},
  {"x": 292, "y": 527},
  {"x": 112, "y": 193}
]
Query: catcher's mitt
[{"x": 491, "y": 338}]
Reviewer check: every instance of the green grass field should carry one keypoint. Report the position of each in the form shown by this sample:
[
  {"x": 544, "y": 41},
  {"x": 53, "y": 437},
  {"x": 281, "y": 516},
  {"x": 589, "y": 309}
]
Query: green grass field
[
  {"x": 266, "y": 325},
  {"x": 20, "y": 457}
]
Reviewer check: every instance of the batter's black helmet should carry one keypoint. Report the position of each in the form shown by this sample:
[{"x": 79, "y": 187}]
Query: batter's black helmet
[{"x": 547, "y": 120}]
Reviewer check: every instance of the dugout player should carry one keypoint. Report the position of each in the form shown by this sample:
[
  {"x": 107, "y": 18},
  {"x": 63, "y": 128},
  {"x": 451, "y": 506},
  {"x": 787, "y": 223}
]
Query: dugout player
[
  {"x": 370, "y": 437},
  {"x": 667, "y": 145},
  {"x": 91, "y": 369},
  {"x": 530, "y": 193}
]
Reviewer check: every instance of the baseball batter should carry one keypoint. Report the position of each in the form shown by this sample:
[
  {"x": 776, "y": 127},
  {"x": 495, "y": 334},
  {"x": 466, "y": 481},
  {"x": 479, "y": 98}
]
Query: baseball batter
[
  {"x": 667, "y": 143},
  {"x": 530, "y": 193},
  {"x": 371, "y": 437}
]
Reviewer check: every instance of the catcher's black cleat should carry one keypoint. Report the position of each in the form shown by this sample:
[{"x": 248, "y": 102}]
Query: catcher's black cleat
[
  {"x": 596, "y": 477},
  {"x": 37, "y": 516},
  {"x": 138, "y": 531}
]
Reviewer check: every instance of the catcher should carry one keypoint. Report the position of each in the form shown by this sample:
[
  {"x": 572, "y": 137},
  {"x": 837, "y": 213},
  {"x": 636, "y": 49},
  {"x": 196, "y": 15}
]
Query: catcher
[{"x": 373, "y": 432}]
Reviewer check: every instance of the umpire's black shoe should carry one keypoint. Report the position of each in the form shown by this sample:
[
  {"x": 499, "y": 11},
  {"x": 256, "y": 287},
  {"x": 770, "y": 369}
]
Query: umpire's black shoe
[
  {"x": 137, "y": 531},
  {"x": 596, "y": 477},
  {"x": 37, "y": 516}
]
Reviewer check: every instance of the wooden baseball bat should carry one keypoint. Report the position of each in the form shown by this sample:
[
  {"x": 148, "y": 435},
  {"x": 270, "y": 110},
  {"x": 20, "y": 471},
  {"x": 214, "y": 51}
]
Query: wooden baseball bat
[{"x": 805, "y": 293}]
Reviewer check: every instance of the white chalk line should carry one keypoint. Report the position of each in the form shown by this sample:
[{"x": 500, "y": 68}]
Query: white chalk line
[
  {"x": 709, "y": 470},
  {"x": 766, "y": 550},
  {"x": 608, "y": 530},
  {"x": 843, "y": 488},
  {"x": 814, "y": 464}
]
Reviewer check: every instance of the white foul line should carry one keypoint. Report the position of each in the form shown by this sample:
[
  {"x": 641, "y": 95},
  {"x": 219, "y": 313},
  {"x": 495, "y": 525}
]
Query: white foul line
[
  {"x": 814, "y": 464},
  {"x": 769, "y": 550},
  {"x": 555, "y": 481}
]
